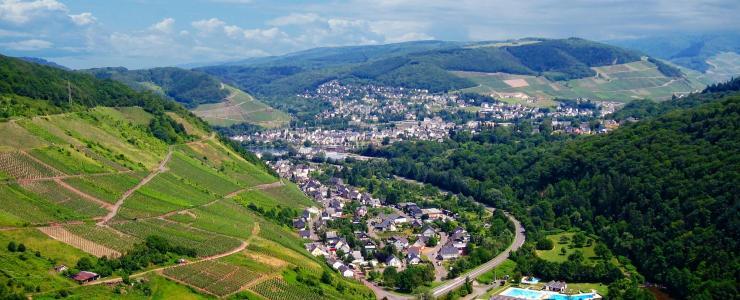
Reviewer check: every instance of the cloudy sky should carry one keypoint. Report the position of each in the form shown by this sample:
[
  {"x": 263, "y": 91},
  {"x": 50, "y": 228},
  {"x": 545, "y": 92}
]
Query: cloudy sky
[{"x": 146, "y": 33}]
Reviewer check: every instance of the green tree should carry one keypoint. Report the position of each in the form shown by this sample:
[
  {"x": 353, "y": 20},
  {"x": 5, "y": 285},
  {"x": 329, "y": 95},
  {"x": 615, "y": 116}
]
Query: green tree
[
  {"x": 21, "y": 247},
  {"x": 12, "y": 247}
]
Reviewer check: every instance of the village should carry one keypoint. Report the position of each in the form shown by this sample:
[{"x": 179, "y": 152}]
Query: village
[
  {"x": 371, "y": 114},
  {"x": 358, "y": 234}
]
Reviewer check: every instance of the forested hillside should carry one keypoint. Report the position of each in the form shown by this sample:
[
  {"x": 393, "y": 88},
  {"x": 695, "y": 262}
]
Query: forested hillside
[
  {"x": 190, "y": 88},
  {"x": 426, "y": 65},
  {"x": 662, "y": 191}
]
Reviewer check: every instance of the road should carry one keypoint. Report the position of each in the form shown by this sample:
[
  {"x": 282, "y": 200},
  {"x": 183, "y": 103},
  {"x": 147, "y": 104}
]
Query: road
[{"x": 459, "y": 281}]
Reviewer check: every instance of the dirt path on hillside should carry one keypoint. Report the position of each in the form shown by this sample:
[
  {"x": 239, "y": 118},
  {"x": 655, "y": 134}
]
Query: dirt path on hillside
[
  {"x": 102, "y": 203},
  {"x": 240, "y": 248},
  {"x": 114, "y": 209}
]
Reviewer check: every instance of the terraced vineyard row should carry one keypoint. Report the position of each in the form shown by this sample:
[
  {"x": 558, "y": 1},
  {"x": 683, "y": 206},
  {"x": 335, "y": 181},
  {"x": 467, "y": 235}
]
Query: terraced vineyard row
[
  {"x": 108, "y": 188},
  {"x": 280, "y": 289},
  {"x": 105, "y": 236},
  {"x": 52, "y": 191},
  {"x": 205, "y": 243},
  {"x": 215, "y": 277},
  {"x": 19, "y": 166}
]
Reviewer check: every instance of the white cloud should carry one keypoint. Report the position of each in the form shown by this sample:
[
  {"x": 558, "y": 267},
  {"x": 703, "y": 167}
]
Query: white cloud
[
  {"x": 28, "y": 45},
  {"x": 295, "y": 19},
  {"x": 165, "y": 26},
  {"x": 83, "y": 19},
  {"x": 208, "y": 26},
  {"x": 20, "y": 12}
]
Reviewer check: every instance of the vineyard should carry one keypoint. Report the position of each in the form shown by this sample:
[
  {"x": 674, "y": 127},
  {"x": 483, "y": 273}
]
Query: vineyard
[
  {"x": 207, "y": 177},
  {"x": 62, "y": 235},
  {"x": 68, "y": 160},
  {"x": 20, "y": 166},
  {"x": 108, "y": 188},
  {"x": 52, "y": 191},
  {"x": 280, "y": 289},
  {"x": 224, "y": 217},
  {"x": 21, "y": 207},
  {"x": 207, "y": 153},
  {"x": 205, "y": 243},
  {"x": 104, "y": 236},
  {"x": 165, "y": 193},
  {"x": 215, "y": 277}
]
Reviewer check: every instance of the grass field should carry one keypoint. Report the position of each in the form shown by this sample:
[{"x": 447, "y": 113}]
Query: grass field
[
  {"x": 505, "y": 268},
  {"x": 554, "y": 255},
  {"x": 17, "y": 137},
  {"x": 241, "y": 107},
  {"x": 161, "y": 289},
  {"x": 68, "y": 160},
  {"x": 31, "y": 271},
  {"x": 624, "y": 82}
]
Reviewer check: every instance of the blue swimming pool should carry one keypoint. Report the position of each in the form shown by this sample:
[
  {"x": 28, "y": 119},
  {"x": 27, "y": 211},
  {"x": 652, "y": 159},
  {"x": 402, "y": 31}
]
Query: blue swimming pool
[{"x": 543, "y": 295}]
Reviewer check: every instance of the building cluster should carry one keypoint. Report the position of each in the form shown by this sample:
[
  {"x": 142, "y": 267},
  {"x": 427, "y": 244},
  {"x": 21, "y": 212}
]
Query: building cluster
[{"x": 412, "y": 230}]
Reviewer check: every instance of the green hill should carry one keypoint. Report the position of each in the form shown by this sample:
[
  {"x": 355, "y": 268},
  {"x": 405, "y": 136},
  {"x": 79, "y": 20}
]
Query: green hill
[
  {"x": 215, "y": 102},
  {"x": 661, "y": 192},
  {"x": 550, "y": 68},
  {"x": 96, "y": 187}
]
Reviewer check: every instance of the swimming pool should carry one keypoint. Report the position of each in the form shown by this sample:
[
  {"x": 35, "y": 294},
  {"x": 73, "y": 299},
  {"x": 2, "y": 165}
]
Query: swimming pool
[{"x": 545, "y": 295}]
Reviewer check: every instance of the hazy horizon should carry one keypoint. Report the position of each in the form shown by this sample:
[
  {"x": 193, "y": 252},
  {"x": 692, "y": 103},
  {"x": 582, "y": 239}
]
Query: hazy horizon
[{"x": 143, "y": 33}]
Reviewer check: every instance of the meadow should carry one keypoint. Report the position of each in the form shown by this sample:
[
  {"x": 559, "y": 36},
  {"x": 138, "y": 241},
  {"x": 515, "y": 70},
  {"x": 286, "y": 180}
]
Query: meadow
[{"x": 240, "y": 107}]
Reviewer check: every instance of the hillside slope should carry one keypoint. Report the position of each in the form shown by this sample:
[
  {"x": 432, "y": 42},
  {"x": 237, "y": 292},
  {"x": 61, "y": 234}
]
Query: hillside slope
[
  {"x": 97, "y": 189},
  {"x": 217, "y": 103},
  {"x": 569, "y": 68},
  {"x": 661, "y": 192}
]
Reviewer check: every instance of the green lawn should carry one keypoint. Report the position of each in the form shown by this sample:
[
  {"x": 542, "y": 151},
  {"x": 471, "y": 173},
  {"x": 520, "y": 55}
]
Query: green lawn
[
  {"x": 555, "y": 255},
  {"x": 505, "y": 268}
]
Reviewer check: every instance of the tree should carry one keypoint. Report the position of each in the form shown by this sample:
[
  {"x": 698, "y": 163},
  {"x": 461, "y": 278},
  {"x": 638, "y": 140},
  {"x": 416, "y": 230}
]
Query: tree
[
  {"x": 85, "y": 263},
  {"x": 21, "y": 248},
  {"x": 12, "y": 247},
  {"x": 603, "y": 251},
  {"x": 545, "y": 244},
  {"x": 579, "y": 239},
  {"x": 326, "y": 277},
  {"x": 563, "y": 251},
  {"x": 432, "y": 241},
  {"x": 390, "y": 276}
]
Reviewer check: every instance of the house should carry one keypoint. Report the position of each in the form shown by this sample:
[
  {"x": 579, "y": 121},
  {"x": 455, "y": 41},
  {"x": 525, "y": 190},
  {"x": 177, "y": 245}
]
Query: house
[
  {"x": 60, "y": 268},
  {"x": 299, "y": 224},
  {"x": 386, "y": 225},
  {"x": 421, "y": 242},
  {"x": 361, "y": 212},
  {"x": 556, "y": 286},
  {"x": 304, "y": 234},
  {"x": 413, "y": 210},
  {"x": 335, "y": 264},
  {"x": 316, "y": 249},
  {"x": 413, "y": 256},
  {"x": 398, "y": 219},
  {"x": 392, "y": 261},
  {"x": 399, "y": 242},
  {"x": 85, "y": 276},
  {"x": 306, "y": 214},
  {"x": 346, "y": 271},
  {"x": 369, "y": 246},
  {"x": 432, "y": 213},
  {"x": 449, "y": 252},
  {"x": 428, "y": 232}
]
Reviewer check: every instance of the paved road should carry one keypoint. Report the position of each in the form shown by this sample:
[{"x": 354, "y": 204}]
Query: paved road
[{"x": 459, "y": 281}]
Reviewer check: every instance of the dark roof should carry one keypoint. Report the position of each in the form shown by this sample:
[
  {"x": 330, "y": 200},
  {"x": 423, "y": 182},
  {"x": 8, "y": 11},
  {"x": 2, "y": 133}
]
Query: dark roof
[
  {"x": 556, "y": 284},
  {"x": 448, "y": 249},
  {"x": 304, "y": 233},
  {"x": 84, "y": 276}
]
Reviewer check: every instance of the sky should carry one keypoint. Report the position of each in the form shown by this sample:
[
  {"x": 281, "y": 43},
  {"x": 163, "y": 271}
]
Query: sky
[{"x": 149, "y": 33}]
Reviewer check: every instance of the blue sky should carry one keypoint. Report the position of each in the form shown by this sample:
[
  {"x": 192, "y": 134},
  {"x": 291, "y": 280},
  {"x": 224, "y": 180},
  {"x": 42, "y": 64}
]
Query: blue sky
[{"x": 147, "y": 33}]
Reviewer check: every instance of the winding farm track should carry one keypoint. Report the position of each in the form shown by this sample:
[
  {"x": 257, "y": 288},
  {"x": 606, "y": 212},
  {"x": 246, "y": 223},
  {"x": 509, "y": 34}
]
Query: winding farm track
[
  {"x": 114, "y": 209},
  {"x": 240, "y": 248}
]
